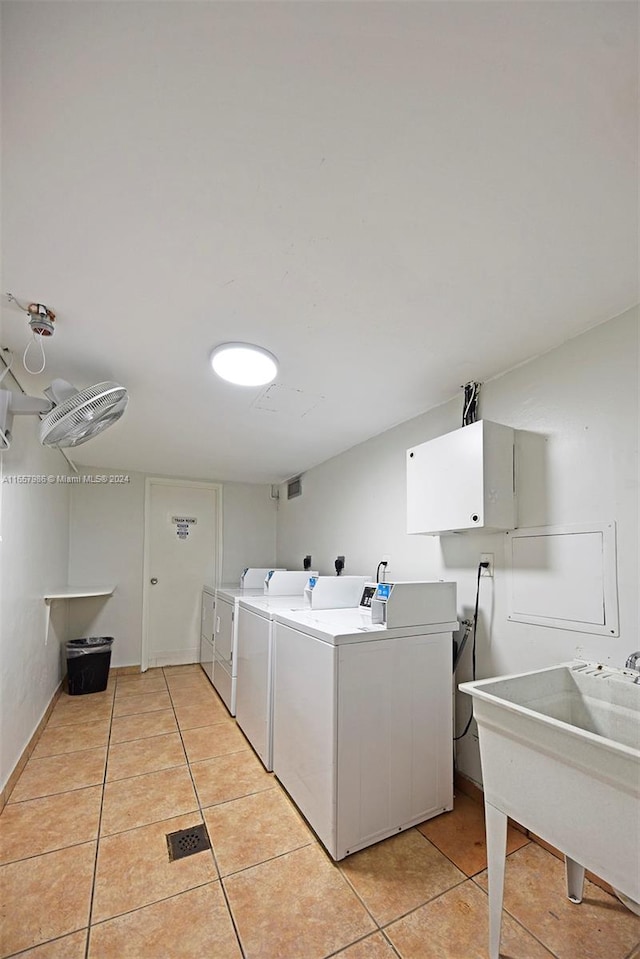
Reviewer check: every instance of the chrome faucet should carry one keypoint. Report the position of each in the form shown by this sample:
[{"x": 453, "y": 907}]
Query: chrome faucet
[{"x": 633, "y": 662}]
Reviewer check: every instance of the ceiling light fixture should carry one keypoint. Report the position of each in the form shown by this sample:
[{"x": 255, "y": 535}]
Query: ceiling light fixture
[{"x": 244, "y": 364}]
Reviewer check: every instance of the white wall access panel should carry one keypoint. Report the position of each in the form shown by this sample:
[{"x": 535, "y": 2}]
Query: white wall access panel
[
  {"x": 565, "y": 577},
  {"x": 463, "y": 480},
  {"x": 362, "y": 733}
]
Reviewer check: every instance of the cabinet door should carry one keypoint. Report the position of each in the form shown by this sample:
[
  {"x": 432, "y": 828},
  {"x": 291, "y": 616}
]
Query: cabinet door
[
  {"x": 224, "y": 619},
  {"x": 208, "y": 607},
  {"x": 206, "y": 656}
]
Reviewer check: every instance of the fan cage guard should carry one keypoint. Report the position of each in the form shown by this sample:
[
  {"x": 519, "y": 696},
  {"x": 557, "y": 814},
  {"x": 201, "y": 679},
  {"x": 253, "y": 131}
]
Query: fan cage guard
[{"x": 84, "y": 415}]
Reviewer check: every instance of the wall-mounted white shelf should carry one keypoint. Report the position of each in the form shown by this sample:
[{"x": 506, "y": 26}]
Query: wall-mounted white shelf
[
  {"x": 78, "y": 592},
  {"x": 71, "y": 592}
]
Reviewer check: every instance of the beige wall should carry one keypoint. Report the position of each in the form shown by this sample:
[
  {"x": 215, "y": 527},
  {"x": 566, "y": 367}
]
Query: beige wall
[
  {"x": 576, "y": 413},
  {"x": 34, "y": 523},
  {"x": 107, "y": 543}
]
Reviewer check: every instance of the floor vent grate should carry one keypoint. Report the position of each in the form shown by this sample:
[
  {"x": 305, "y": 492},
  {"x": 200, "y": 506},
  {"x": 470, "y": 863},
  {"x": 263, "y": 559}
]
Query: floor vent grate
[{"x": 187, "y": 842}]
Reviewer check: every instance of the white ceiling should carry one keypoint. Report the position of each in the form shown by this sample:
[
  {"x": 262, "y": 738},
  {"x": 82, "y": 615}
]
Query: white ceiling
[{"x": 394, "y": 198}]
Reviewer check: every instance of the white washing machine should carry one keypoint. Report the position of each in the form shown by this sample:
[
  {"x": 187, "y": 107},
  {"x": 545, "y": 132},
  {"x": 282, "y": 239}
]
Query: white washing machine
[
  {"x": 225, "y": 641},
  {"x": 362, "y": 718},
  {"x": 254, "y": 680},
  {"x": 225, "y": 668},
  {"x": 254, "y": 683},
  {"x": 206, "y": 629}
]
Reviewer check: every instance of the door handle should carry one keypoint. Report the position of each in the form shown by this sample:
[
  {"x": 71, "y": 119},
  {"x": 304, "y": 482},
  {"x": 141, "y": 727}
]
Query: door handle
[{"x": 153, "y": 580}]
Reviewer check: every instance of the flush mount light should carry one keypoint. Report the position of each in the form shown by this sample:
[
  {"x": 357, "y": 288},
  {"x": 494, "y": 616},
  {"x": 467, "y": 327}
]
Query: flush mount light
[{"x": 244, "y": 364}]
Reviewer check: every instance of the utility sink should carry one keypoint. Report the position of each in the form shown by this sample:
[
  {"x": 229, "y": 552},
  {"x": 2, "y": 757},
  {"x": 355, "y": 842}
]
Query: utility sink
[{"x": 560, "y": 753}]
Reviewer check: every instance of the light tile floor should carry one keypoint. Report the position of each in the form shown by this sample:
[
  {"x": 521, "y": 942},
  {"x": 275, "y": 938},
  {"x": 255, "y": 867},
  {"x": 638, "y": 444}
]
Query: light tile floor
[{"x": 85, "y": 873}]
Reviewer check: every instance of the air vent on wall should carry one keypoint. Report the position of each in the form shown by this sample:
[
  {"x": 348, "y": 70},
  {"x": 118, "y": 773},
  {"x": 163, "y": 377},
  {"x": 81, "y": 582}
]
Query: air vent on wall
[{"x": 294, "y": 487}]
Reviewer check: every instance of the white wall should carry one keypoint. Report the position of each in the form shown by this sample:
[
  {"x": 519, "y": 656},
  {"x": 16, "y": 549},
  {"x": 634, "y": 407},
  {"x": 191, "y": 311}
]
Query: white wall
[
  {"x": 106, "y": 546},
  {"x": 34, "y": 523},
  {"x": 577, "y": 462},
  {"x": 249, "y": 537}
]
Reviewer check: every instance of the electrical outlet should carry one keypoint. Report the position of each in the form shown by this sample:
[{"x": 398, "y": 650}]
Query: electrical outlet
[{"x": 487, "y": 558}]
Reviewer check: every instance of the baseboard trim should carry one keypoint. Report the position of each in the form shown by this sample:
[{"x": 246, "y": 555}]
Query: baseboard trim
[
  {"x": 26, "y": 752},
  {"x": 473, "y": 791}
]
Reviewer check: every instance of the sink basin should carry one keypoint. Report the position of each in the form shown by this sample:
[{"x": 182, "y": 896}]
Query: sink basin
[{"x": 560, "y": 754}]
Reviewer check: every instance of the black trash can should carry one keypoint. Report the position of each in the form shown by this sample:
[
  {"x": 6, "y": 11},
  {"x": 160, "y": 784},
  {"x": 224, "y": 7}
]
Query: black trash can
[{"x": 88, "y": 664}]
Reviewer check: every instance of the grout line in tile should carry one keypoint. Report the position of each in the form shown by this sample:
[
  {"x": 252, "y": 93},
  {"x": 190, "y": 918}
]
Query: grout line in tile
[
  {"x": 355, "y": 942},
  {"x": 506, "y": 912},
  {"x": 425, "y": 903},
  {"x": 38, "y": 855},
  {"x": 280, "y": 855},
  {"x": 123, "y": 742},
  {"x": 145, "y": 712},
  {"x": 212, "y": 850},
  {"x": 162, "y": 769},
  {"x": 351, "y": 886},
  {"x": 63, "y": 792},
  {"x": 441, "y": 851},
  {"x": 73, "y": 752},
  {"x": 212, "y": 805},
  {"x": 175, "y": 895},
  {"x": 234, "y": 752},
  {"x": 389, "y": 943},
  {"x": 95, "y": 863},
  {"x": 24, "y": 952}
]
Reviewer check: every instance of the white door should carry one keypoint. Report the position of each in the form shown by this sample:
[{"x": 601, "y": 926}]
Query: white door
[{"x": 181, "y": 552}]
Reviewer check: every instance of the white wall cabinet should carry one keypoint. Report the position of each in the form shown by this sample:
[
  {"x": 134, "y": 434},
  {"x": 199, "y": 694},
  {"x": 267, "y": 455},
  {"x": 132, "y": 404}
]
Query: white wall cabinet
[{"x": 463, "y": 480}]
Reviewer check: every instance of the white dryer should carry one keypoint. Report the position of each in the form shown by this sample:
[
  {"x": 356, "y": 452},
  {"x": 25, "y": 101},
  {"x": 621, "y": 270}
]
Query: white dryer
[
  {"x": 225, "y": 663},
  {"x": 362, "y": 719},
  {"x": 225, "y": 641},
  {"x": 254, "y": 682}
]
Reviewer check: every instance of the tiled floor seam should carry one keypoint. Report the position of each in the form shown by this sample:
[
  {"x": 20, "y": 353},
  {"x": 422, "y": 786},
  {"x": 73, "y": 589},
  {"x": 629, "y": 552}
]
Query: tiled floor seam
[
  {"x": 355, "y": 891},
  {"x": 454, "y": 863},
  {"x": 426, "y": 902},
  {"x": 95, "y": 864},
  {"x": 280, "y": 855},
  {"x": 131, "y": 912},
  {"x": 47, "y": 942},
  {"x": 201, "y": 812},
  {"x": 123, "y": 779},
  {"x": 338, "y": 952},
  {"x": 515, "y": 919}
]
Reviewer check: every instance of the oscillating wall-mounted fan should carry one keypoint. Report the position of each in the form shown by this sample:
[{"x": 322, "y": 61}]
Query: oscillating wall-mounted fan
[{"x": 72, "y": 416}]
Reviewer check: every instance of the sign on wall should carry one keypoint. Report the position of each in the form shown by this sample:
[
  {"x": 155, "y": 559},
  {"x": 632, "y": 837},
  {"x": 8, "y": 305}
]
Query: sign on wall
[{"x": 182, "y": 524}]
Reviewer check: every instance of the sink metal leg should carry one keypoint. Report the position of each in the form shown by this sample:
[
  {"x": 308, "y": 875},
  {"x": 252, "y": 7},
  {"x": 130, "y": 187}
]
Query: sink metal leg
[
  {"x": 575, "y": 879},
  {"x": 496, "y": 829}
]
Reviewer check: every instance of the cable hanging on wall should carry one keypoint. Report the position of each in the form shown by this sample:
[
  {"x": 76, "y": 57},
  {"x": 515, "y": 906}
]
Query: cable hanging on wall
[
  {"x": 40, "y": 319},
  {"x": 471, "y": 399}
]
